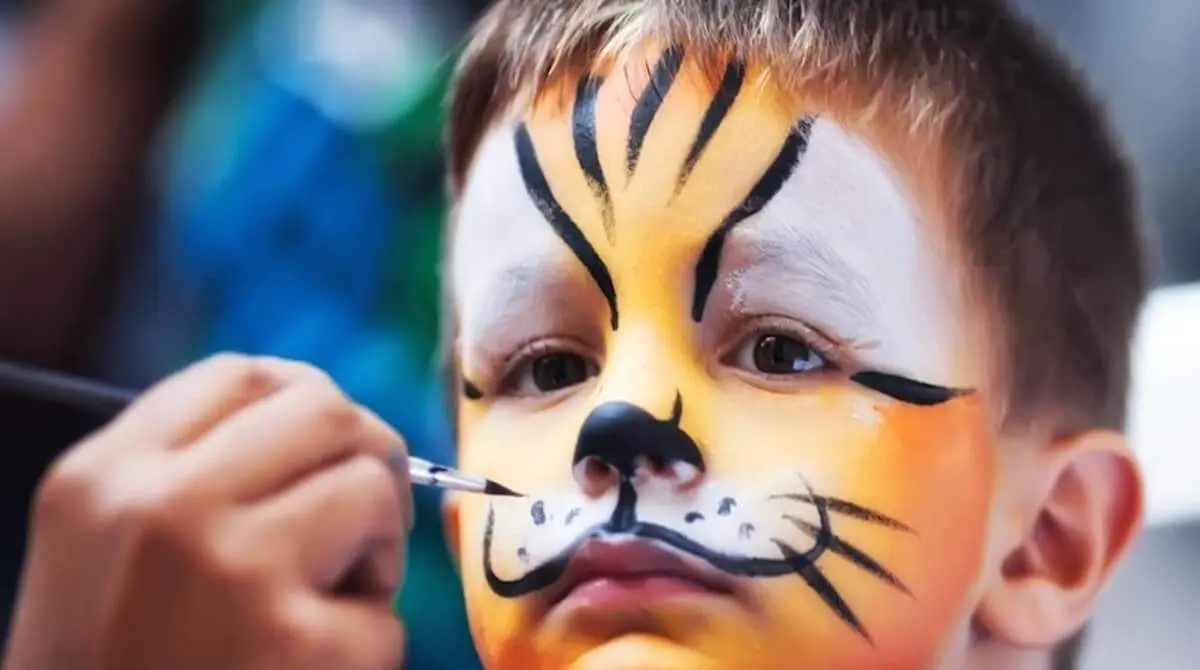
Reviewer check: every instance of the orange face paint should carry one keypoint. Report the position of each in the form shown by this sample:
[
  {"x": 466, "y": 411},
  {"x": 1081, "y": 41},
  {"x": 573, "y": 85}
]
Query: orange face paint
[{"x": 683, "y": 333}]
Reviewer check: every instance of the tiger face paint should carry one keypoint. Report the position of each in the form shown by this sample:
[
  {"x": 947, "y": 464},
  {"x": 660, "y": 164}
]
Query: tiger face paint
[{"x": 711, "y": 336}]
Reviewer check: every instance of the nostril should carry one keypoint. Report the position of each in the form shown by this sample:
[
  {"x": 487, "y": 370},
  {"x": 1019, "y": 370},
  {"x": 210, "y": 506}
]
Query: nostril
[
  {"x": 652, "y": 467},
  {"x": 660, "y": 467},
  {"x": 679, "y": 473},
  {"x": 594, "y": 476},
  {"x": 597, "y": 468}
]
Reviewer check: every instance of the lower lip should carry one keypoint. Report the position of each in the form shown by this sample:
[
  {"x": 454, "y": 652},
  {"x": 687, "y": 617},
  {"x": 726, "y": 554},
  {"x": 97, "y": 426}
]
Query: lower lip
[{"x": 617, "y": 593}]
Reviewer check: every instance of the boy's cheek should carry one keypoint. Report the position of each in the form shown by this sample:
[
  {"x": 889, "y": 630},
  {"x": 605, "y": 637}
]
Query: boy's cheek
[{"x": 932, "y": 469}]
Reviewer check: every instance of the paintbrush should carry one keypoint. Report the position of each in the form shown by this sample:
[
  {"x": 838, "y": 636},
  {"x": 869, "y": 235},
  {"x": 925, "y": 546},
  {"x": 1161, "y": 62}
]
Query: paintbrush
[{"x": 107, "y": 401}]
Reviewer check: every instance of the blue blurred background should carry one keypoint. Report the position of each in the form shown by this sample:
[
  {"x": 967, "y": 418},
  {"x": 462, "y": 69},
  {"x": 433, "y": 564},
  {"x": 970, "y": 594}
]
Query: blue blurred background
[{"x": 300, "y": 202}]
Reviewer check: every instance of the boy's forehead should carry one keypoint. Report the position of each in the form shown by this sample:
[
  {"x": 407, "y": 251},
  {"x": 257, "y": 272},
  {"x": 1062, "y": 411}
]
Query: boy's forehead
[{"x": 606, "y": 182}]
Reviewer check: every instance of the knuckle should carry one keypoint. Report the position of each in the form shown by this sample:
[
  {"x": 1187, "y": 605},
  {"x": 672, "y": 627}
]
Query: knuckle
[
  {"x": 159, "y": 512},
  {"x": 234, "y": 554},
  {"x": 141, "y": 501},
  {"x": 380, "y": 488},
  {"x": 65, "y": 490},
  {"x": 331, "y": 408},
  {"x": 373, "y": 475},
  {"x": 226, "y": 361},
  {"x": 307, "y": 371},
  {"x": 248, "y": 376}
]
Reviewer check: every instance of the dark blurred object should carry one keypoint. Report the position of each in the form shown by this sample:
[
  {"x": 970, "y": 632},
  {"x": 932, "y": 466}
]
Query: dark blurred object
[
  {"x": 17, "y": 6},
  {"x": 82, "y": 113},
  {"x": 32, "y": 434}
]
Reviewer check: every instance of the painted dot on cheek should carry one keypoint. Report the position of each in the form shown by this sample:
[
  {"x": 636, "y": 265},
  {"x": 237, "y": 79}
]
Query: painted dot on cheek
[
  {"x": 745, "y": 531},
  {"x": 693, "y": 517},
  {"x": 538, "y": 512},
  {"x": 523, "y": 555},
  {"x": 726, "y": 506},
  {"x": 572, "y": 514}
]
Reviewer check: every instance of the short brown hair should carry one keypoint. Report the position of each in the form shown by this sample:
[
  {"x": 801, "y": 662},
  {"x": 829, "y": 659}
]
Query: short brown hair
[{"x": 1041, "y": 193}]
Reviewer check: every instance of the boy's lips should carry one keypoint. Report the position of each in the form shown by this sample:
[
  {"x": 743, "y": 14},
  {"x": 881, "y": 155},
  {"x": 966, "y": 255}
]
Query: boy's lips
[{"x": 608, "y": 575}]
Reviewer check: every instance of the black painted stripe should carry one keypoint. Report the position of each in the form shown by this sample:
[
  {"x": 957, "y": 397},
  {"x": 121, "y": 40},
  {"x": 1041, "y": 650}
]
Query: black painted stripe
[
  {"x": 649, "y": 102},
  {"x": 718, "y": 109},
  {"x": 907, "y": 390},
  {"x": 846, "y": 508},
  {"x": 539, "y": 191},
  {"x": 852, "y": 553},
  {"x": 583, "y": 123},
  {"x": 805, "y": 565},
  {"x": 824, "y": 588},
  {"x": 768, "y": 187}
]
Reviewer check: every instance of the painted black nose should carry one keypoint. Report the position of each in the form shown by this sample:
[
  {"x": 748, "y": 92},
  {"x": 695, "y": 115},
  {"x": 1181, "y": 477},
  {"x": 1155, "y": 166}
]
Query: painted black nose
[{"x": 625, "y": 437}]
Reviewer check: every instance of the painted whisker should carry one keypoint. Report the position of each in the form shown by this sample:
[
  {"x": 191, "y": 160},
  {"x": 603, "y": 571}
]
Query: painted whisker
[
  {"x": 852, "y": 554},
  {"x": 847, "y": 508},
  {"x": 821, "y": 585},
  {"x": 805, "y": 565}
]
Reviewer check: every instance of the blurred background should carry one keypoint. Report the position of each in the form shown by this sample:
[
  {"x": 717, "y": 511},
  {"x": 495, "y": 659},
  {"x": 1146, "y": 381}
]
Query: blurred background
[{"x": 296, "y": 205}]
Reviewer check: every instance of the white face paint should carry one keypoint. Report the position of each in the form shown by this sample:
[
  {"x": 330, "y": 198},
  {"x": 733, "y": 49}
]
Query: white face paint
[{"x": 511, "y": 274}]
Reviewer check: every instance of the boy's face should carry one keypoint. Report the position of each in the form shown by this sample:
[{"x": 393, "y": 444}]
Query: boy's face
[{"x": 714, "y": 340}]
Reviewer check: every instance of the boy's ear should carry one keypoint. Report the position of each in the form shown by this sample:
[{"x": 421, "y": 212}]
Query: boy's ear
[
  {"x": 451, "y": 512},
  {"x": 1082, "y": 526}
]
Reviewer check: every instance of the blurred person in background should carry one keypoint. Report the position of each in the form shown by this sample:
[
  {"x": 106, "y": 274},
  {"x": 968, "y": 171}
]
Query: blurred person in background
[{"x": 86, "y": 85}]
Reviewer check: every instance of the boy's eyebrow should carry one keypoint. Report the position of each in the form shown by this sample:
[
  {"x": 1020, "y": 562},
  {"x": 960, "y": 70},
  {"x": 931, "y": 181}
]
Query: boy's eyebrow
[{"x": 798, "y": 273}]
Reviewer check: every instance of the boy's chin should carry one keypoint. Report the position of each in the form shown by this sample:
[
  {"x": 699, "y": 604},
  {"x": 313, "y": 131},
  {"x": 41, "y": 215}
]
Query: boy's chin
[
  {"x": 644, "y": 652},
  {"x": 700, "y": 632}
]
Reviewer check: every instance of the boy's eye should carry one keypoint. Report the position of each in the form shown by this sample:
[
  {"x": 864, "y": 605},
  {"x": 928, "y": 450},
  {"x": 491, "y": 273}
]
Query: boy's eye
[
  {"x": 778, "y": 355},
  {"x": 552, "y": 372}
]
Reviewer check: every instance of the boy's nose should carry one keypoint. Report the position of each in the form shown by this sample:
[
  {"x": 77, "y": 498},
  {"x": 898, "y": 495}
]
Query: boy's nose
[{"x": 621, "y": 441}]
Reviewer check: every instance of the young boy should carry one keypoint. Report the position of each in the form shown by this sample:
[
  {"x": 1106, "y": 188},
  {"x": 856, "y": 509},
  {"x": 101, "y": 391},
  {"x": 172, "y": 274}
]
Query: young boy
[{"x": 803, "y": 324}]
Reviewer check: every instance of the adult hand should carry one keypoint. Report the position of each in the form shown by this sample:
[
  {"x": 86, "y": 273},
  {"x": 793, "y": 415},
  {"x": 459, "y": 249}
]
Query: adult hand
[{"x": 241, "y": 514}]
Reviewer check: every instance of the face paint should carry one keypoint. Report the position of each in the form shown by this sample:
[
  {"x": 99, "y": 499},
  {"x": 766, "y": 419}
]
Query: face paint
[{"x": 705, "y": 331}]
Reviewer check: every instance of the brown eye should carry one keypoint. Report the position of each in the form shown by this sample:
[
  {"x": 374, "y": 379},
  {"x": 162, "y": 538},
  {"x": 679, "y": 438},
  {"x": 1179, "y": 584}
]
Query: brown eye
[
  {"x": 554, "y": 372},
  {"x": 779, "y": 355}
]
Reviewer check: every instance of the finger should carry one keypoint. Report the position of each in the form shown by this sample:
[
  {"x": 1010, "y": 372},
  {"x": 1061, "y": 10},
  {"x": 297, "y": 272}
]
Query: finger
[
  {"x": 189, "y": 403},
  {"x": 342, "y": 528},
  {"x": 265, "y": 447},
  {"x": 348, "y": 634}
]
